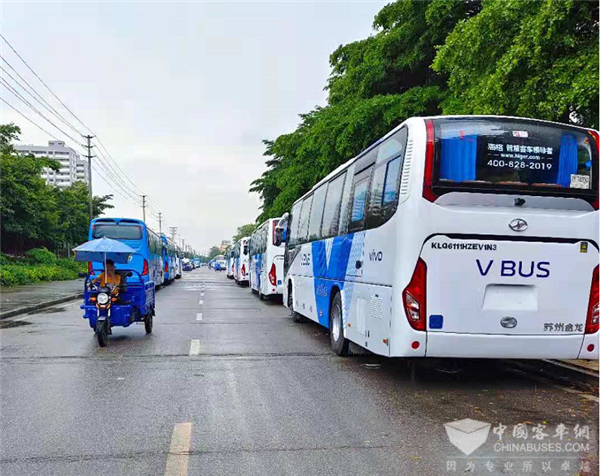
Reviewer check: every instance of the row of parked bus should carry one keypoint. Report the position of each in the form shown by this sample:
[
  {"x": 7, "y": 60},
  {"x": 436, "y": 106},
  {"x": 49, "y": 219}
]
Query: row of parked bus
[
  {"x": 464, "y": 236},
  {"x": 257, "y": 261},
  {"x": 157, "y": 257}
]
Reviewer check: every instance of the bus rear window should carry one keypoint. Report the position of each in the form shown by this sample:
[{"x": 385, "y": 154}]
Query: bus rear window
[
  {"x": 118, "y": 232},
  {"x": 498, "y": 153}
]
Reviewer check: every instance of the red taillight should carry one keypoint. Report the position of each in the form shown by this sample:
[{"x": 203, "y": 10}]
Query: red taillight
[
  {"x": 145, "y": 270},
  {"x": 593, "y": 314},
  {"x": 166, "y": 266},
  {"x": 273, "y": 275},
  {"x": 597, "y": 139},
  {"x": 90, "y": 268},
  {"x": 414, "y": 297},
  {"x": 243, "y": 270},
  {"x": 429, "y": 156}
]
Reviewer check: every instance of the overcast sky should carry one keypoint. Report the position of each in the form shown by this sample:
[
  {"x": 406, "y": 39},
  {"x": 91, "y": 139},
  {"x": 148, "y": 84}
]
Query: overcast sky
[{"x": 181, "y": 94}]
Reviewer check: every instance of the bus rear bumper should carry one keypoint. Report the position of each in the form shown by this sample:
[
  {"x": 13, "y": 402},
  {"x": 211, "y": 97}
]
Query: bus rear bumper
[{"x": 442, "y": 344}]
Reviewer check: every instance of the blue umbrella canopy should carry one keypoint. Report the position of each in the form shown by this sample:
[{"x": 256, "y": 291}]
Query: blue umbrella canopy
[{"x": 104, "y": 249}]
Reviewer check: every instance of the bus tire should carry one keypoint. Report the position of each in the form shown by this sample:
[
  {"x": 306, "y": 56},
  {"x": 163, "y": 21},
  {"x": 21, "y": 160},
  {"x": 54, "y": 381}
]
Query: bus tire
[
  {"x": 102, "y": 333},
  {"x": 296, "y": 317},
  {"x": 339, "y": 343}
]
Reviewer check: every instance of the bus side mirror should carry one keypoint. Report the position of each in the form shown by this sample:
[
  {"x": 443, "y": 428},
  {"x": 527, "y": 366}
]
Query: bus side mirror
[{"x": 281, "y": 230}]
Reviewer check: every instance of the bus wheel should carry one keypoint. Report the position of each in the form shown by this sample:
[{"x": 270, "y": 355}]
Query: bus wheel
[
  {"x": 296, "y": 317},
  {"x": 339, "y": 343},
  {"x": 102, "y": 333}
]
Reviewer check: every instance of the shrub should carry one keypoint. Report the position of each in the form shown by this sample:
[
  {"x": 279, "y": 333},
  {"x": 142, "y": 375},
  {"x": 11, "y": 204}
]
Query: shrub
[{"x": 41, "y": 256}]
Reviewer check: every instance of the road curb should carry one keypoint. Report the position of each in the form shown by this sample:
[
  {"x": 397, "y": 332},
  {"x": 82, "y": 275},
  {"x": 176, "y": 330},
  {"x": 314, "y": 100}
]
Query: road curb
[
  {"x": 559, "y": 371},
  {"x": 37, "y": 307}
]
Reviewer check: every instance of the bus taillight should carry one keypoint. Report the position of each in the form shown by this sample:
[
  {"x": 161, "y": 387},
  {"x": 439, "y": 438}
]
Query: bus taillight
[
  {"x": 145, "y": 270},
  {"x": 414, "y": 297},
  {"x": 273, "y": 275},
  {"x": 243, "y": 270},
  {"x": 166, "y": 266},
  {"x": 90, "y": 268},
  {"x": 429, "y": 156},
  {"x": 593, "y": 315}
]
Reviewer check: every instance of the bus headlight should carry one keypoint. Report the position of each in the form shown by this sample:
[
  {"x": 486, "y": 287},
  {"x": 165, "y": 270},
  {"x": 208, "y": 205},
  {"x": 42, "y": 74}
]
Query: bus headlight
[{"x": 102, "y": 298}]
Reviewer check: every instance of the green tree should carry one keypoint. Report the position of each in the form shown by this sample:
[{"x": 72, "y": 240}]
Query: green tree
[
  {"x": 214, "y": 251},
  {"x": 525, "y": 58},
  {"x": 33, "y": 212},
  {"x": 244, "y": 230}
]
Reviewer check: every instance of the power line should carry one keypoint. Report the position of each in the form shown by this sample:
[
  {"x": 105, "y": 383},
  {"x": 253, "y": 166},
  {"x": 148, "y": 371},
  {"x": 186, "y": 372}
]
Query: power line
[
  {"x": 42, "y": 81},
  {"x": 34, "y": 123},
  {"x": 42, "y": 101},
  {"x": 21, "y": 98}
]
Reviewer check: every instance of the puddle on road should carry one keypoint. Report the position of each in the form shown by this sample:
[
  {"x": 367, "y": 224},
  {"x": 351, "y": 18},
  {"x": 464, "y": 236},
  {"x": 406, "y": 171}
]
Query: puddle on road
[{"x": 11, "y": 324}]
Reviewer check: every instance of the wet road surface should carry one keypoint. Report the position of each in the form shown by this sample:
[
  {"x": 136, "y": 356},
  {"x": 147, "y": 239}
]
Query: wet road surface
[{"x": 228, "y": 384}]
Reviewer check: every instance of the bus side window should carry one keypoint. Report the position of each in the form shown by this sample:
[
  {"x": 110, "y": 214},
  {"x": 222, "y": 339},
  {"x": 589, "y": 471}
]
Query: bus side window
[
  {"x": 384, "y": 186},
  {"x": 331, "y": 212},
  {"x": 316, "y": 215},
  {"x": 346, "y": 201},
  {"x": 359, "y": 200},
  {"x": 304, "y": 217},
  {"x": 294, "y": 224}
]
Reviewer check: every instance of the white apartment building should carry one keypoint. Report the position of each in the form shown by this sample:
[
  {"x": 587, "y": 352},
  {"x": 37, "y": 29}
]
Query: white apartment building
[{"x": 72, "y": 167}]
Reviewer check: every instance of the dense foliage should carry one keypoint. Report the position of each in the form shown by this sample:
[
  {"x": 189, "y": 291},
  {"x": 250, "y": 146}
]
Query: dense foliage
[
  {"x": 38, "y": 265},
  {"x": 524, "y": 58},
  {"x": 34, "y": 213},
  {"x": 244, "y": 230}
]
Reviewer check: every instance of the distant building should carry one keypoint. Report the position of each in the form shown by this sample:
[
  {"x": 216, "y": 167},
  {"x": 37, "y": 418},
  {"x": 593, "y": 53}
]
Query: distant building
[
  {"x": 224, "y": 245},
  {"x": 72, "y": 167}
]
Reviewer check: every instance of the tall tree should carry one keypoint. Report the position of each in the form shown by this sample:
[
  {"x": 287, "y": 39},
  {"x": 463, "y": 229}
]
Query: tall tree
[{"x": 526, "y": 58}]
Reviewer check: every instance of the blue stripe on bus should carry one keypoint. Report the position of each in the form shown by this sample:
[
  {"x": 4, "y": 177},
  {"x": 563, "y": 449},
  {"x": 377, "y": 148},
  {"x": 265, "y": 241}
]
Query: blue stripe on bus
[{"x": 329, "y": 273}]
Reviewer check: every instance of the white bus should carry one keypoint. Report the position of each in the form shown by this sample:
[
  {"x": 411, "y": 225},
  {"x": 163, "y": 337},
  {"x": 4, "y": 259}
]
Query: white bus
[
  {"x": 266, "y": 261},
  {"x": 229, "y": 262},
  {"x": 241, "y": 263},
  {"x": 472, "y": 236}
]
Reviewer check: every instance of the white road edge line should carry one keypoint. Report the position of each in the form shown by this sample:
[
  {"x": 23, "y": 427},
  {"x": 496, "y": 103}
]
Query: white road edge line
[
  {"x": 195, "y": 347},
  {"x": 200, "y": 302},
  {"x": 199, "y": 316},
  {"x": 179, "y": 451}
]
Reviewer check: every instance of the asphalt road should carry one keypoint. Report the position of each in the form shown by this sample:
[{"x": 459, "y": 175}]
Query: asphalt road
[{"x": 227, "y": 384}]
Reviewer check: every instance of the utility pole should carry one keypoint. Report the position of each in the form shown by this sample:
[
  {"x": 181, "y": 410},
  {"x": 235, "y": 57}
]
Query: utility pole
[
  {"x": 183, "y": 244},
  {"x": 173, "y": 231},
  {"x": 159, "y": 223},
  {"x": 144, "y": 207},
  {"x": 89, "y": 157}
]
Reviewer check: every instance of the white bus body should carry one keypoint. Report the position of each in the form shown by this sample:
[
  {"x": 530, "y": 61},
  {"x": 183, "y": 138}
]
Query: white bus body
[
  {"x": 266, "y": 261},
  {"x": 241, "y": 262},
  {"x": 472, "y": 236}
]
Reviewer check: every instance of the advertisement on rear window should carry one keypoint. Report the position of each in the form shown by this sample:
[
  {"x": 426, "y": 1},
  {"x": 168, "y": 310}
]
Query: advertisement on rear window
[{"x": 514, "y": 153}]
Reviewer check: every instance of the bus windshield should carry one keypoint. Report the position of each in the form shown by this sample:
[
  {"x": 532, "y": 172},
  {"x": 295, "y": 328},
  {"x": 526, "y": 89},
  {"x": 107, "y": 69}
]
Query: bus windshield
[
  {"x": 118, "y": 232},
  {"x": 494, "y": 153}
]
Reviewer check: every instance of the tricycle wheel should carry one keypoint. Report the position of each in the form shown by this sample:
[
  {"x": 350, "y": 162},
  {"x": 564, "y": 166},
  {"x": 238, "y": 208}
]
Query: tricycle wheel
[
  {"x": 148, "y": 323},
  {"x": 102, "y": 333}
]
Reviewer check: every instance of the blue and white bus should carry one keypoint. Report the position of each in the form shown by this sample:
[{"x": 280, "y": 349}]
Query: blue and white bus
[
  {"x": 461, "y": 236},
  {"x": 148, "y": 260},
  {"x": 266, "y": 261},
  {"x": 241, "y": 262},
  {"x": 169, "y": 254},
  {"x": 229, "y": 262}
]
